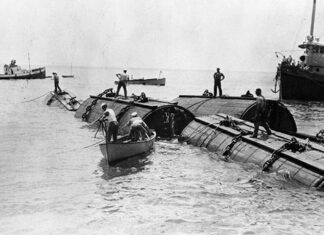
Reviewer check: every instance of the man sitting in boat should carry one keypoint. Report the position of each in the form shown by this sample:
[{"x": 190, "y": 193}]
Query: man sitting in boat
[{"x": 138, "y": 128}]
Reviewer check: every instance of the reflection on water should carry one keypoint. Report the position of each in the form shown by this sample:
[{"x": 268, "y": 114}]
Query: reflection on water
[{"x": 122, "y": 168}]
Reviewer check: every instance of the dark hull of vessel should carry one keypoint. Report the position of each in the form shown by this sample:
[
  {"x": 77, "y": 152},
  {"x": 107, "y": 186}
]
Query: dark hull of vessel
[
  {"x": 300, "y": 84},
  {"x": 39, "y": 73}
]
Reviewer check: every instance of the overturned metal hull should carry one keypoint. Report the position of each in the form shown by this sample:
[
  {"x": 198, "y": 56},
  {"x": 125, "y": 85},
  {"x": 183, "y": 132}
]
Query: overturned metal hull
[
  {"x": 167, "y": 119},
  {"x": 279, "y": 117},
  {"x": 63, "y": 99},
  {"x": 306, "y": 167}
]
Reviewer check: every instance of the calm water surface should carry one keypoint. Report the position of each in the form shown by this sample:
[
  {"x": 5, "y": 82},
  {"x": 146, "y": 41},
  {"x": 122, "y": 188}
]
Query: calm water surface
[{"x": 54, "y": 181}]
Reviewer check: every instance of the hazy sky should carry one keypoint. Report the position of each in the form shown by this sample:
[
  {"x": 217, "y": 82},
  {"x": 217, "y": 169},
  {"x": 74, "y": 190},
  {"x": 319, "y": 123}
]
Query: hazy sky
[{"x": 179, "y": 34}]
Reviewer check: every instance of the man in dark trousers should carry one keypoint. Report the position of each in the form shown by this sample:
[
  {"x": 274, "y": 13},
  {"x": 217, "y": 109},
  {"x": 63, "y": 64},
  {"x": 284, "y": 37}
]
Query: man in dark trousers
[
  {"x": 218, "y": 77},
  {"x": 56, "y": 83},
  {"x": 260, "y": 117},
  {"x": 123, "y": 78}
]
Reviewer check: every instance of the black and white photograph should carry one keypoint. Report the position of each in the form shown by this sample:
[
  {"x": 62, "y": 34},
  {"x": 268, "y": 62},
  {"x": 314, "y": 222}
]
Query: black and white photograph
[{"x": 169, "y": 117}]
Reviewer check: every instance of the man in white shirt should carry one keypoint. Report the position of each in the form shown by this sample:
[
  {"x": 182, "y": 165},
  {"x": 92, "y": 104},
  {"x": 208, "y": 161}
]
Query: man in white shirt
[
  {"x": 138, "y": 128},
  {"x": 111, "y": 124}
]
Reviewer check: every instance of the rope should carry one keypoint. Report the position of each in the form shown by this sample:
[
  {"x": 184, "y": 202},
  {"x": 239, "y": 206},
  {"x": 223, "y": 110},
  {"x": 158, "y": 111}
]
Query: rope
[
  {"x": 85, "y": 147},
  {"x": 229, "y": 147},
  {"x": 202, "y": 102},
  {"x": 35, "y": 98}
]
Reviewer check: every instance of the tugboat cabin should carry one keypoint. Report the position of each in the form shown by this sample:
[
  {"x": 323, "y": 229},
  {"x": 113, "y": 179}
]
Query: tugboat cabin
[{"x": 313, "y": 57}]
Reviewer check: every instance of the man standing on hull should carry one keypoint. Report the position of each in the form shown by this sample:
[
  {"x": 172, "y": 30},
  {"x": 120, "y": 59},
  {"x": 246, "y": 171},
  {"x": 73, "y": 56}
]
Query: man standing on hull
[
  {"x": 123, "y": 78},
  {"x": 57, "y": 88},
  {"x": 218, "y": 77},
  {"x": 260, "y": 117}
]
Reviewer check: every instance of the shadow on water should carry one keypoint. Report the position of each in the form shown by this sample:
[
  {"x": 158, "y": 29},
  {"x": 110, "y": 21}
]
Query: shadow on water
[{"x": 128, "y": 166}]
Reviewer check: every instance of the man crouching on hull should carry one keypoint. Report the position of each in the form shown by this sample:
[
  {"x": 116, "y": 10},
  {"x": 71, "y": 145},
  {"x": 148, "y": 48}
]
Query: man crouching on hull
[{"x": 260, "y": 117}]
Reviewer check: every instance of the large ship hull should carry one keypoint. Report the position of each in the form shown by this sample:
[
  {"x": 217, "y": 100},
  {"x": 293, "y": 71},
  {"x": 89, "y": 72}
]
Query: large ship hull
[
  {"x": 301, "y": 84},
  {"x": 38, "y": 73}
]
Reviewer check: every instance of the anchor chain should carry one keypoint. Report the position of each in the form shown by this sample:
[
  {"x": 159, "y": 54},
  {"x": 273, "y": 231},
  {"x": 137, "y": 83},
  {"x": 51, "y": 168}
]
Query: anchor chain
[
  {"x": 231, "y": 145},
  {"x": 228, "y": 122},
  {"x": 292, "y": 145},
  {"x": 93, "y": 103}
]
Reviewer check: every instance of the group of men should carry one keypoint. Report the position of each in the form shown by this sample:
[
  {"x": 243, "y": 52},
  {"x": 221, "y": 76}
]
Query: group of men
[
  {"x": 138, "y": 128},
  {"x": 261, "y": 113}
]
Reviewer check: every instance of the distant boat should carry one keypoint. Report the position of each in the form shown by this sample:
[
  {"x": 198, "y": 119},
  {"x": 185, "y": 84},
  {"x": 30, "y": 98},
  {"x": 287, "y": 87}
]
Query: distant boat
[
  {"x": 70, "y": 75},
  {"x": 149, "y": 81},
  {"x": 14, "y": 71},
  {"x": 117, "y": 151},
  {"x": 303, "y": 80}
]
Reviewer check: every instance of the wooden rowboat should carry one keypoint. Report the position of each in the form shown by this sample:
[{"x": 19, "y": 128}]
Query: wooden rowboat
[{"x": 122, "y": 149}]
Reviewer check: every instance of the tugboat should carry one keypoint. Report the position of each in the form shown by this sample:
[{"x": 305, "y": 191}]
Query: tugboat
[
  {"x": 13, "y": 71},
  {"x": 304, "y": 80}
]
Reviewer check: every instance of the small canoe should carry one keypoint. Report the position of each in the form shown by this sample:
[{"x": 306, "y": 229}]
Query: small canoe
[
  {"x": 122, "y": 149},
  {"x": 149, "y": 81},
  {"x": 64, "y": 99},
  {"x": 68, "y": 76}
]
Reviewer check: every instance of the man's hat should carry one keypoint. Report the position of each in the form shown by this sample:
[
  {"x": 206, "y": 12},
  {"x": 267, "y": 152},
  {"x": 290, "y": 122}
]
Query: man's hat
[
  {"x": 134, "y": 114},
  {"x": 54, "y": 73},
  {"x": 103, "y": 105}
]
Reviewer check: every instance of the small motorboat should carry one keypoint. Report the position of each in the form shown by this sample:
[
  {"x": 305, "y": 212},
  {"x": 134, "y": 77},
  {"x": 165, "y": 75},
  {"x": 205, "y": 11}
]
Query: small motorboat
[
  {"x": 68, "y": 76},
  {"x": 123, "y": 148},
  {"x": 148, "y": 81}
]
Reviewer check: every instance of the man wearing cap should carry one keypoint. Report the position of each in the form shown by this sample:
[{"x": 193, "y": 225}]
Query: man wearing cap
[
  {"x": 138, "y": 128},
  {"x": 110, "y": 124},
  {"x": 218, "y": 77},
  {"x": 122, "y": 82},
  {"x": 260, "y": 117},
  {"x": 56, "y": 83}
]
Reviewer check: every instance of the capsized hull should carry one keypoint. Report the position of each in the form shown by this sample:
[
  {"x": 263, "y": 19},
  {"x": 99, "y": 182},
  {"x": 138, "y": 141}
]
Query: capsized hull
[
  {"x": 39, "y": 73},
  {"x": 63, "y": 99},
  {"x": 306, "y": 167},
  {"x": 299, "y": 84},
  {"x": 118, "y": 151}
]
